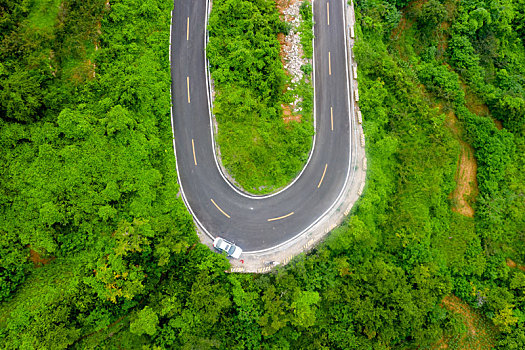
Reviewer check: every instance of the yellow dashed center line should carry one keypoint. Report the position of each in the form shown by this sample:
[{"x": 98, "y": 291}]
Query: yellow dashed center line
[
  {"x": 332, "y": 118},
  {"x": 329, "y": 64},
  {"x": 328, "y": 12},
  {"x": 222, "y": 211},
  {"x": 188, "y": 29},
  {"x": 188, "y": 86},
  {"x": 322, "y": 177},
  {"x": 282, "y": 217},
  {"x": 193, "y": 148}
]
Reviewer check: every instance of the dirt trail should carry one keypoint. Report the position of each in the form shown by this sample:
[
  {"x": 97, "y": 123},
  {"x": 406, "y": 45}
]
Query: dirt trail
[
  {"x": 38, "y": 260},
  {"x": 466, "y": 190},
  {"x": 480, "y": 333},
  {"x": 466, "y": 175}
]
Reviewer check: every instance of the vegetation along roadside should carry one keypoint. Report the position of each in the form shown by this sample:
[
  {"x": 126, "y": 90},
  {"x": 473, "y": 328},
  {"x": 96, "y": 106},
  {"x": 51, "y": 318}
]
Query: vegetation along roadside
[
  {"x": 87, "y": 182},
  {"x": 259, "y": 149}
]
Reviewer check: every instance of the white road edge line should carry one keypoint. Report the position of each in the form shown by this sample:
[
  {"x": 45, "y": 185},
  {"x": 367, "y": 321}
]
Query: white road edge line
[
  {"x": 350, "y": 168},
  {"x": 235, "y": 188},
  {"x": 309, "y": 158},
  {"x": 183, "y": 195}
]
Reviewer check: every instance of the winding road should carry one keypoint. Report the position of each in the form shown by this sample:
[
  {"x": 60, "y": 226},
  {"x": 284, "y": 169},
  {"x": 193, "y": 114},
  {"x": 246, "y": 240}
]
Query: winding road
[{"x": 260, "y": 223}]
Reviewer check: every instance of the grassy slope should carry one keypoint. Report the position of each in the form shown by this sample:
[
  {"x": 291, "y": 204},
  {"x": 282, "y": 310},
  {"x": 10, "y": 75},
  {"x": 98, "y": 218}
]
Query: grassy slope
[
  {"x": 462, "y": 246},
  {"x": 259, "y": 150},
  {"x": 106, "y": 136}
]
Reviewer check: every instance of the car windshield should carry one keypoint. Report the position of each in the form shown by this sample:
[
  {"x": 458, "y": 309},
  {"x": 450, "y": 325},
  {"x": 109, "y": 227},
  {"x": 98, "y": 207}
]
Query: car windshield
[{"x": 231, "y": 250}]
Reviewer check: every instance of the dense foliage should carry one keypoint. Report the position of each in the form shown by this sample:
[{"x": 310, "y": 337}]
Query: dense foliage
[
  {"x": 88, "y": 179},
  {"x": 259, "y": 150},
  {"x": 88, "y": 174}
]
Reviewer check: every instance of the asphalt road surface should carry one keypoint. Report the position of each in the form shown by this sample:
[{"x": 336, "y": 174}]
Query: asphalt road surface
[{"x": 258, "y": 223}]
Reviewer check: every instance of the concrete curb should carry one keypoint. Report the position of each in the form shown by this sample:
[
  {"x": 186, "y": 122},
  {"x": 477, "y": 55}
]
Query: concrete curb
[
  {"x": 230, "y": 180},
  {"x": 263, "y": 262}
]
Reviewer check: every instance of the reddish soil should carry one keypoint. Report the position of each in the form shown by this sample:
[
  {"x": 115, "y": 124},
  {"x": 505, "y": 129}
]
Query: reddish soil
[
  {"x": 450, "y": 6},
  {"x": 282, "y": 5},
  {"x": 37, "y": 260},
  {"x": 480, "y": 334},
  {"x": 473, "y": 102},
  {"x": 476, "y": 105},
  {"x": 284, "y": 45},
  {"x": 498, "y": 123},
  {"x": 396, "y": 34},
  {"x": 411, "y": 11},
  {"x": 83, "y": 72},
  {"x": 293, "y": 118},
  {"x": 288, "y": 115},
  {"x": 443, "y": 38},
  {"x": 512, "y": 264},
  {"x": 466, "y": 179}
]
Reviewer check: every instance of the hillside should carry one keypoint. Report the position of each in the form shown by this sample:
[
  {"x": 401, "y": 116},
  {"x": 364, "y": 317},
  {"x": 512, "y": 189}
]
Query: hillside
[{"x": 98, "y": 251}]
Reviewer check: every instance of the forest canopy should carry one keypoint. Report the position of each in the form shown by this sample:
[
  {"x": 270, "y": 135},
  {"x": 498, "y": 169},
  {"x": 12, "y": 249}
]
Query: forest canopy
[{"x": 98, "y": 251}]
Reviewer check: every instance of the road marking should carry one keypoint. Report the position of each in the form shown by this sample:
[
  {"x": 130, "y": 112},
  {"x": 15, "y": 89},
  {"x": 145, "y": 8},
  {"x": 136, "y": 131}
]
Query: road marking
[
  {"x": 328, "y": 12},
  {"x": 188, "y": 85},
  {"x": 329, "y": 64},
  {"x": 332, "y": 118},
  {"x": 193, "y": 147},
  {"x": 188, "y": 29},
  {"x": 222, "y": 211},
  {"x": 282, "y": 217},
  {"x": 322, "y": 177}
]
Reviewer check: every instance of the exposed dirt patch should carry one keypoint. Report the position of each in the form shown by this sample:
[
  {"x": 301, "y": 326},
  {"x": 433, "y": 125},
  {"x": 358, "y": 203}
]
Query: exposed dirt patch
[
  {"x": 83, "y": 72},
  {"x": 498, "y": 123},
  {"x": 37, "y": 259},
  {"x": 512, "y": 264},
  {"x": 291, "y": 54},
  {"x": 286, "y": 110},
  {"x": 473, "y": 102},
  {"x": 416, "y": 5},
  {"x": 476, "y": 105},
  {"x": 442, "y": 45},
  {"x": 284, "y": 46},
  {"x": 397, "y": 32},
  {"x": 450, "y": 6},
  {"x": 282, "y": 5},
  {"x": 480, "y": 333},
  {"x": 466, "y": 175},
  {"x": 409, "y": 16},
  {"x": 288, "y": 116}
]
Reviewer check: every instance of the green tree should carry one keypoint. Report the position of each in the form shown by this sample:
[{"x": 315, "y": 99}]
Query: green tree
[
  {"x": 433, "y": 12},
  {"x": 146, "y": 322}
]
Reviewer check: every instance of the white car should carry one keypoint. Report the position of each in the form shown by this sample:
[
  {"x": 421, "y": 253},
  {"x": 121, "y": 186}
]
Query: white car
[{"x": 228, "y": 247}]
